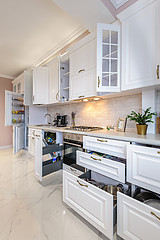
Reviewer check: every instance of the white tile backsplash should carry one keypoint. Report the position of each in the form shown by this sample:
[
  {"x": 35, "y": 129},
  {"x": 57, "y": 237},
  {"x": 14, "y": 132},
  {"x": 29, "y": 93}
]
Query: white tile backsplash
[{"x": 101, "y": 113}]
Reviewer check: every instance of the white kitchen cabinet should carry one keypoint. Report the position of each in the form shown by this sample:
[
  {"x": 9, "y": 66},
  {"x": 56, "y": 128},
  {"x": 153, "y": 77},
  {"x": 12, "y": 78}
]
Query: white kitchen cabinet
[
  {"x": 108, "y": 58},
  {"x": 38, "y": 154},
  {"x": 83, "y": 85},
  {"x": 31, "y": 142},
  {"x": 18, "y": 138},
  {"x": 92, "y": 203},
  {"x": 143, "y": 164},
  {"x": 23, "y": 85},
  {"x": 40, "y": 85},
  {"x": 53, "y": 71},
  {"x": 140, "y": 45},
  {"x": 104, "y": 166},
  {"x": 136, "y": 220},
  {"x": 107, "y": 146}
]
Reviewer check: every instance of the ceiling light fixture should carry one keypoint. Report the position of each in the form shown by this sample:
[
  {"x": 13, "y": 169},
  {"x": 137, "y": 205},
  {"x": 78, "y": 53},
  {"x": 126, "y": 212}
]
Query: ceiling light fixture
[{"x": 85, "y": 100}]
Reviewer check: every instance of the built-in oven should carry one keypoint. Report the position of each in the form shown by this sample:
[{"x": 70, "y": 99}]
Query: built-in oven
[{"x": 72, "y": 143}]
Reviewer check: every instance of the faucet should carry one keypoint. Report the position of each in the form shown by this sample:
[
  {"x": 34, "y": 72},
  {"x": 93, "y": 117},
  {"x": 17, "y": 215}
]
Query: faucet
[{"x": 48, "y": 114}]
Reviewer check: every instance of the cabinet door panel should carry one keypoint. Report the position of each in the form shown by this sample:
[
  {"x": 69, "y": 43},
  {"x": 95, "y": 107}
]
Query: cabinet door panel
[
  {"x": 54, "y": 82},
  {"x": 108, "y": 58},
  {"x": 40, "y": 85},
  {"x": 138, "y": 49},
  {"x": 135, "y": 221},
  {"x": 38, "y": 155},
  {"x": 143, "y": 164},
  {"x": 83, "y": 58},
  {"x": 83, "y": 85},
  {"x": 95, "y": 205}
]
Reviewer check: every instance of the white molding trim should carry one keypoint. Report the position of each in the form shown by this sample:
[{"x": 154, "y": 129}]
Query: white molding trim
[
  {"x": 7, "y": 76},
  {"x": 4, "y": 147},
  {"x": 137, "y": 6},
  {"x": 57, "y": 48},
  {"x": 118, "y": 3}
]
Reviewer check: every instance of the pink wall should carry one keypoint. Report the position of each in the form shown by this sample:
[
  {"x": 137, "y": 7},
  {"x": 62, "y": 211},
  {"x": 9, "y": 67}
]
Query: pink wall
[{"x": 5, "y": 132}]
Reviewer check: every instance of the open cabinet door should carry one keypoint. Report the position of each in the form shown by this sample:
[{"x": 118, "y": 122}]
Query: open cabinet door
[
  {"x": 18, "y": 138},
  {"x": 14, "y": 108}
]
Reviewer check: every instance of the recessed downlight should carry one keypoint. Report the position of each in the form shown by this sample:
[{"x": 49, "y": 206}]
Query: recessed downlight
[{"x": 85, "y": 100}]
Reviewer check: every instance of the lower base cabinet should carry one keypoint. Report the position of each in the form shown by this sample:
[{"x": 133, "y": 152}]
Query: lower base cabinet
[
  {"x": 136, "y": 220},
  {"x": 92, "y": 203}
]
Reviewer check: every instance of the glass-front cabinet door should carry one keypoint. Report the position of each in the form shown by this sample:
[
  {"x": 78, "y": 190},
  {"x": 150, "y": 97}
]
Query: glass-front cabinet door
[{"x": 108, "y": 58}]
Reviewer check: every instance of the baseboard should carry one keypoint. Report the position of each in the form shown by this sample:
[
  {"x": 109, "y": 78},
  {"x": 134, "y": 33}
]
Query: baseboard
[{"x": 4, "y": 147}]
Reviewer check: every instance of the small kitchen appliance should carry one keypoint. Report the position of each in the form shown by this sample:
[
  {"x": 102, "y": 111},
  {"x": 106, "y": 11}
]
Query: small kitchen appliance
[{"x": 61, "y": 120}]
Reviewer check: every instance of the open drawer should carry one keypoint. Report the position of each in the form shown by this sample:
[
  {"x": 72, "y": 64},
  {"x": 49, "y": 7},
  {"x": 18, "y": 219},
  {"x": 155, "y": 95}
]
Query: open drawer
[
  {"x": 104, "y": 166},
  {"x": 103, "y": 145},
  {"x": 143, "y": 167},
  {"x": 92, "y": 203},
  {"x": 136, "y": 220}
]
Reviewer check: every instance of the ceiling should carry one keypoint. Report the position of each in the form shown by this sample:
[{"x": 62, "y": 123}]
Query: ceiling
[{"x": 31, "y": 30}]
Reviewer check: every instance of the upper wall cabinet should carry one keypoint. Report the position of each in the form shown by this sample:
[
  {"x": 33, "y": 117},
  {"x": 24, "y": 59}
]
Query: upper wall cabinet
[
  {"x": 108, "y": 58},
  {"x": 23, "y": 85},
  {"x": 95, "y": 63},
  {"x": 40, "y": 85},
  {"x": 140, "y": 44},
  {"x": 53, "y": 70}
]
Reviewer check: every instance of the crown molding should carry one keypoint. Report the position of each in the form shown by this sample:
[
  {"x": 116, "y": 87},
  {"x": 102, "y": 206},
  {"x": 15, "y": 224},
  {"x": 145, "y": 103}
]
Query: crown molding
[
  {"x": 56, "y": 49},
  {"x": 118, "y": 3},
  {"x": 7, "y": 76}
]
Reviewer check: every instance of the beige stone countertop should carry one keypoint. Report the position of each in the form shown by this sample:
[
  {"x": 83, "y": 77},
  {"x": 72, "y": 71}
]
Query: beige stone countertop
[{"x": 151, "y": 139}]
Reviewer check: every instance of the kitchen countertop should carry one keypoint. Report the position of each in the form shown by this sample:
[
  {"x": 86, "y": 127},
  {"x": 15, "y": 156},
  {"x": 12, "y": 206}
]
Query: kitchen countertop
[{"x": 151, "y": 139}]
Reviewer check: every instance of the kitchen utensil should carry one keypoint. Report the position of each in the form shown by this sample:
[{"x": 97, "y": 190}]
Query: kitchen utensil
[
  {"x": 143, "y": 196},
  {"x": 113, "y": 189},
  {"x": 155, "y": 203}
]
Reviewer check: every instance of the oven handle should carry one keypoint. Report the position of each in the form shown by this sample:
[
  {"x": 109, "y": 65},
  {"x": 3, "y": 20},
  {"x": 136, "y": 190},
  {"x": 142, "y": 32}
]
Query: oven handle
[{"x": 73, "y": 144}]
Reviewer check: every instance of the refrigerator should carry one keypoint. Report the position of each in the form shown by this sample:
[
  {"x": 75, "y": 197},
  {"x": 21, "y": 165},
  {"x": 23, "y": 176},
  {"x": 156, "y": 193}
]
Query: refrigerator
[{"x": 20, "y": 117}]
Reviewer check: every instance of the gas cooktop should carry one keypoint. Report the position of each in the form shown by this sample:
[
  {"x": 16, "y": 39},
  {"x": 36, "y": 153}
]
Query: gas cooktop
[{"x": 84, "y": 128}]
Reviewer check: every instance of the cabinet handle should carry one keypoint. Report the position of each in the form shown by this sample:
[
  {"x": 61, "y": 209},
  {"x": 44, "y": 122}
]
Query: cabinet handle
[
  {"x": 37, "y": 135},
  {"x": 96, "y": 159},
  {"x": 73, "y": 170},
  {"x": 158, "y": 152},
  {"x": 155, "y": 215},
  {"x": 33, "y": 138},
  {"x": 81, "y": 70},
  {"x": 57, "y": 95},
  {"x": 157, "y": 71},
  {"x": 98, "y": 81},
  {"x": 33, "y": 98},
  {"x": 80, "y": 96},
  {"x": 100, "y": 140},
  {"x": 82, "y": 184}
]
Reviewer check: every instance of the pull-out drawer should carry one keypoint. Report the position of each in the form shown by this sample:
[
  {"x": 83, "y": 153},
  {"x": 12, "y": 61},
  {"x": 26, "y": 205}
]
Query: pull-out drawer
[
  {"x": 72, "y": 169},
  {"x": 143, "y": 167},
  {"x": 107, "y": 167},
  {"x": 108, "y": 146},
  {"x": 91, "y": 202},
  {"x": 136, "y": 220}
]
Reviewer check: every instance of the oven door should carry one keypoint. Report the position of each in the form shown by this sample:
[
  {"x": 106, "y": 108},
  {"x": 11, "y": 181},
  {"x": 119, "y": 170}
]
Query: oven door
[{"x": 70, "y": 149}]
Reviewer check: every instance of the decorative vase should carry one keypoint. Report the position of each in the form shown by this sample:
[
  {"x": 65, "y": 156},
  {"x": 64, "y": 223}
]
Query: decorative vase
[{"x": 141, "y": 129}]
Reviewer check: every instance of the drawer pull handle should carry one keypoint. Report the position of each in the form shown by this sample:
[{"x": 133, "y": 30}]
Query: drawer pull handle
[
  {"x": 158, "y": 152},
  {"x": 73, "y": 170},
  {"x": 82, "y": 184},
  {"x": 81, "y": 97},
  {"x": 96, "y": 159},
  {"x": 37, "y": 135},
  {"x": 100, "y": 140},
  {"x": 157, "y": 71},
  {"x": 81, "y": 70},
  {"x": 33, "y": 138},
  {"x": 155, "y": 215}
]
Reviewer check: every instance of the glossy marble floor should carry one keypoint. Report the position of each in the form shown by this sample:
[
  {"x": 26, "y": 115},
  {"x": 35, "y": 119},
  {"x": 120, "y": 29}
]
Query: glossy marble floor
[{"x": 31, "y": 211}]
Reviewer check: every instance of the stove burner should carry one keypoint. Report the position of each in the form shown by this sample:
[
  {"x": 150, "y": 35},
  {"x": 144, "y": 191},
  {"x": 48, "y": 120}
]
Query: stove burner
[{"x": 85, "y": 128}]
